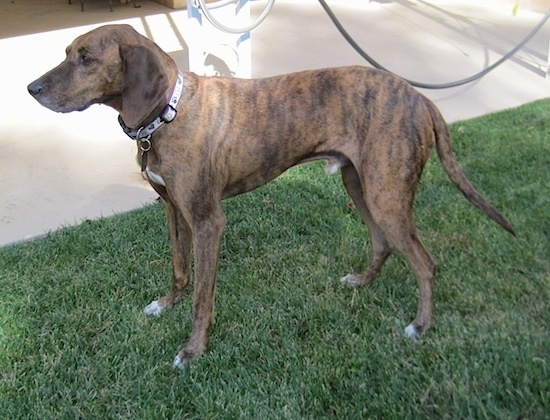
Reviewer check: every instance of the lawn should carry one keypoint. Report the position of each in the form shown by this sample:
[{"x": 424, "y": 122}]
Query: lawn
[{"x": 289, "y": 340}]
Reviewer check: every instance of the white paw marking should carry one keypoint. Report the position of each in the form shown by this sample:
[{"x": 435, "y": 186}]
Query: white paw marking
[
  {"x": 178, "y": 363},
  {"x": 156, "y": 178},
  {"x": 351, "y": 279},
  {"x": 410, "y": 331},
  {"x": 153, "y": 309},
  {"x": 332, "y": 167}
]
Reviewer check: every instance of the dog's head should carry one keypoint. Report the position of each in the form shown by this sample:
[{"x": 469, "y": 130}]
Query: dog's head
[{"x": 112, "y": 65}]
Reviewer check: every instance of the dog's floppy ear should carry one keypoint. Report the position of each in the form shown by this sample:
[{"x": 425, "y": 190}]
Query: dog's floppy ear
[{"x": 144, "y": 85}]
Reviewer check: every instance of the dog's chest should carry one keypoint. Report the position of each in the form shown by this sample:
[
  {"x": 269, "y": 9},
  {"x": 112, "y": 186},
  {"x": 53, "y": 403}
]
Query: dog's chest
[{"x": 155, "y": 178}]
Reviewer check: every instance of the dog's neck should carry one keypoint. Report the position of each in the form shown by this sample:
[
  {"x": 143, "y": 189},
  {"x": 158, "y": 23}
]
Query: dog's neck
[{"x": 166, "y": 115}]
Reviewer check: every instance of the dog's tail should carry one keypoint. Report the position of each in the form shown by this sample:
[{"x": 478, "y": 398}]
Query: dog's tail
[{"x": 449, "y": 163}]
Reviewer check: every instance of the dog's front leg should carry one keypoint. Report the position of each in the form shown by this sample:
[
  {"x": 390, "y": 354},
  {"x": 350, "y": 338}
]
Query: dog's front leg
[
  {"x": 180, "y": 239},
  {"x": 207, "y": 233}
]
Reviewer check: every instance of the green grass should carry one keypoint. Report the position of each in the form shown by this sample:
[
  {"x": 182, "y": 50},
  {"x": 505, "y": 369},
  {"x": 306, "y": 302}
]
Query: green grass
[{"x": 290, "y": 341}]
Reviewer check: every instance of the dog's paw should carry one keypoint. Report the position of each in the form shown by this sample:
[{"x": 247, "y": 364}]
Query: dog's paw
[
  {"x": 411, "y": 331},
  {"x": 178, "y": 363},
  {"x": 352, "y": 280},
  {"x": 153, "y": 309}
]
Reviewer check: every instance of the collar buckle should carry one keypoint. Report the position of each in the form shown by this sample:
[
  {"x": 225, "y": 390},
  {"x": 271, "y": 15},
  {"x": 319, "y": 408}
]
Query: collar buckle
[{"x": 168, "y": 113}]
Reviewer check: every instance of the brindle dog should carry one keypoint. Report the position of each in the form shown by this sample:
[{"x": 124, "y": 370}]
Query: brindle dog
[{"x": 231, "y": 136}]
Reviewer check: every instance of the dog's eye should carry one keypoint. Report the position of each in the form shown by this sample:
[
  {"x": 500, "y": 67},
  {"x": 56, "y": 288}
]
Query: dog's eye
[{"x": 86, "y": 59}]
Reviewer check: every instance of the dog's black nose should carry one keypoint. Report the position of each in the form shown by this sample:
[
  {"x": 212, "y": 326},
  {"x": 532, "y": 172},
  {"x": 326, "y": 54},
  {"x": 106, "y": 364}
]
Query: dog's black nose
[{"x": 35, "y": 88}]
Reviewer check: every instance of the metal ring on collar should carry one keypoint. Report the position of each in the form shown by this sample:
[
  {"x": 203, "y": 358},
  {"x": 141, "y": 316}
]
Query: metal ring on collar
[{"x": 145, "y": 144}]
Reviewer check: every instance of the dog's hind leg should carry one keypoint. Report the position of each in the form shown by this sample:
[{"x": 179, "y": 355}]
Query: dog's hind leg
[
  {"x": 425, "y": 269},
  {"x": 395, "y": 218},
  {"x": 180, "y": 239},
  {"x": 381, "y": 249}
]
